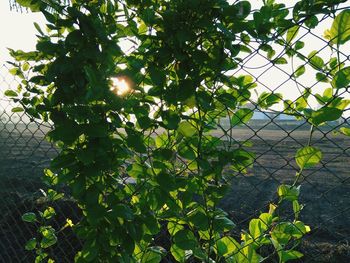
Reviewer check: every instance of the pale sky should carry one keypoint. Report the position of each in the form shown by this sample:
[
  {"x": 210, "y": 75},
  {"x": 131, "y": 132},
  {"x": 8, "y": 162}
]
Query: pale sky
[{"x": 18, "y": 32}]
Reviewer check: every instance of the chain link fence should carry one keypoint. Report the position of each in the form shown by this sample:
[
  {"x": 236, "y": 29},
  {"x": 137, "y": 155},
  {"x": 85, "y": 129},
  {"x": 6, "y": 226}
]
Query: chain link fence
[
  {"x": 272, "y": 135},
  {"x": 24, "y": 155}
]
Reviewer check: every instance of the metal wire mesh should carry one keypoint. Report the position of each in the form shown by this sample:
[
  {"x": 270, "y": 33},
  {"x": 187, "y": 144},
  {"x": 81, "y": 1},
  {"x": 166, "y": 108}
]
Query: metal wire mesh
[{"x": 273, "y": 137}]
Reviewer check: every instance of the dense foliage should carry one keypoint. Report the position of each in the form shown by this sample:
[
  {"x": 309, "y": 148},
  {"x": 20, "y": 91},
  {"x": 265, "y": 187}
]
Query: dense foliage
[{"x": 145, "y": 159}]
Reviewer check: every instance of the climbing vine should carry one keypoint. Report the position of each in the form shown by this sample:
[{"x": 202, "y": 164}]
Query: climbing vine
[{"x": 135, "y": 126}]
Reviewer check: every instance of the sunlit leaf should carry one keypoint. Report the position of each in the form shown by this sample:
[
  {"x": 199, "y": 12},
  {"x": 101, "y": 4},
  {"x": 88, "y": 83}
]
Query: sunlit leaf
[
  {"x": 341, "y": 78},
  {"x": 153, "y": 255},
  {"x": 299, "y": 71},
  {"x": 308, "y": 156},
  {"x": 315, "y": 61},
  {"x": 187, "y": 129},
  {"x": 340, "y": 30},
  {"x": 286, "y": 255},
  {"x": 10, "y": 93},
  {"x": 345, "y": 131},
  {"x": 287, "y": 192},
  {"x": 292, "y": 33},
  {"x": 227, "y": 246},
  {"x": 280, "y": 60},
  {"x": 17, "y": 109},
  {"x": 242, "y": 116}
]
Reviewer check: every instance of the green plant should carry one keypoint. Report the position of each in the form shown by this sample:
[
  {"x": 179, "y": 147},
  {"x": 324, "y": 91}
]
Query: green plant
[{"x": 160, "y": 132}]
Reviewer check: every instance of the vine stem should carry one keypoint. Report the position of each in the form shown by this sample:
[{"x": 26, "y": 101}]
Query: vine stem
[
  {"x": 299, "y": 174},
  {"x": 312, "y": 129}
]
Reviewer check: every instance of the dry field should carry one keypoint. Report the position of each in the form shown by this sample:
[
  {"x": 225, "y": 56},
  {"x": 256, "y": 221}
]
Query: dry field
[{"x": 325, "y": 190}]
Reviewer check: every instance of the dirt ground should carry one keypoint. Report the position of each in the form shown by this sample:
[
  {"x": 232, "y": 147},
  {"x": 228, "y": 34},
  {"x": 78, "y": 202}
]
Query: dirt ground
[{"x": 325, "y": 190}]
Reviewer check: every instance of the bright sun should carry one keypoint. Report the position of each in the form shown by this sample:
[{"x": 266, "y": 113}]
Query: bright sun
[{"x": 120, "y": 86}]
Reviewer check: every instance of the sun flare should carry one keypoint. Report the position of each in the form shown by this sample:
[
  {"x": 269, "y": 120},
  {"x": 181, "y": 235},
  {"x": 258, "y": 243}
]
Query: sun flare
[{"x": 120, "y": 86}]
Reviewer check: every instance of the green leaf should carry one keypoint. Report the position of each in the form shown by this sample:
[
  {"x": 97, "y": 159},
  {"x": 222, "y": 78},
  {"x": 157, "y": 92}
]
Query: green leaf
[
  {"x": 52, "y": 195},
  {"x": 199, "y": 219},
  {"x": 315, "y": 61},
  {"x": 227, "y": 246},
  {"x": 68, "y": 133},
  {"x": 299, "y": 71},
  {"x": 148, "y": 16},
  {"x": 49, "y": 213},
  {"x": 16, "y": 72},
  {"x": 86, "y": 156},
  {"x": 270, "y": 51},
  {"x": 17, "y": 109},
  {"x": 255, "y": 228},
  {"x": 153, "y": 255},
  {"x": 241, "y": 116},
  {"x": 301, "y": 103},
  {"x": 34, "y": 6},
  {"x": 325, "y": 114},
  {"x": 95, "y": 130},
  {"x": 292, "y": 33},
  {"x": 222, "y": 223},
  {"x": 185, "y": 239},
  {"x": 282, "y": 233},
  {"x": 163, "y": 154},
  {"x": 187, "y": 129},
  {"x": 339, "y": 103},
  {"x": 36, "y": 25},
  {"x": 266, "y": 219},
  {"x": 321, "y": 77},
  {"x": 170, "y": 119},
  {"x": 151, "y": 224},
  {"x": 174, "y": 227},
  {"x": 158, "y": 77},
  {"x": 299, "y": 229},
  {"x": 312, "y": 22},
  {"x": 88, "y": 254},
  {"x": 296, "y": 208},
  {"x": 10, "y": 93},
  {"x": 242, "y": 159},
  {"x": 299, "y": 45},
  {"x": 31, "y": 244},
  {"x": 345, "y": 131},
  {"x": 186, "y": 151},
  {"x": 244, "y": 8},
  {"x": 25, "y": 66},
  {"x": 49, "y": 237},
  {"x": 266, "y": 99},
  {"x": 136, "y": 142},
  {"x": 289, "y": 255},
  {"x": 280, "y": 60},
  {"x": 179, "y": 254},
  {"x": 328, "y": 94},
  {"x": 287, "y": 192},
  {"x": 341, "y": 78},
  {"x": 340, "y": 30},
  {"x": 40, "y": 258},
  {"x": 166, "y": 181},
  {"x": 29, "y": 217},
  {"x": 308, "y": 156}
]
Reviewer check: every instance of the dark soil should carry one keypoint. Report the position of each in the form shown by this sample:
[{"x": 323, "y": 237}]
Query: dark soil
[{"x": 325, "y": 190}]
